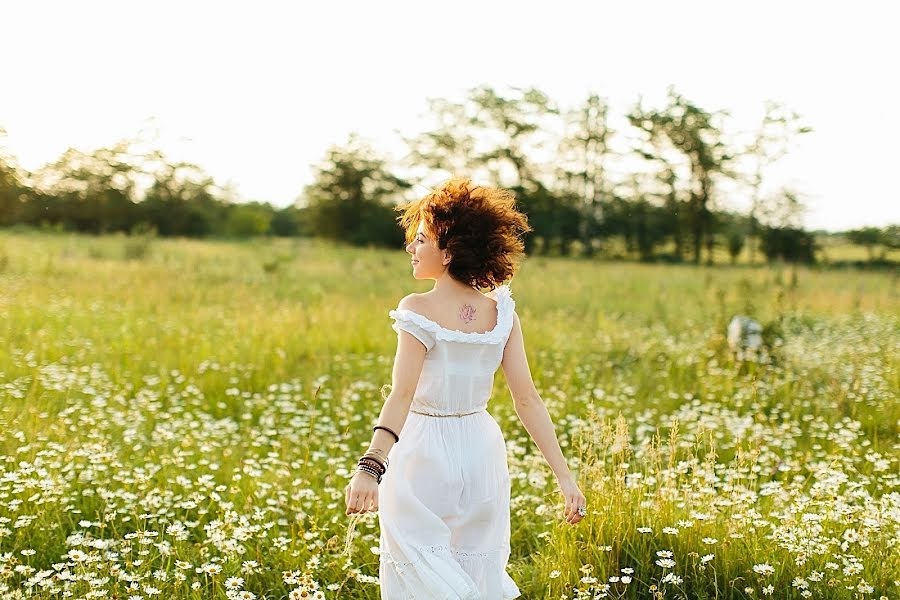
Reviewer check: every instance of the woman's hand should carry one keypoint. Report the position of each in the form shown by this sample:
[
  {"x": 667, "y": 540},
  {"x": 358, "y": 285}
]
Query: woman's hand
[
  {"x": 574, "y": 498},
  {"x": 361, "y": 494}
]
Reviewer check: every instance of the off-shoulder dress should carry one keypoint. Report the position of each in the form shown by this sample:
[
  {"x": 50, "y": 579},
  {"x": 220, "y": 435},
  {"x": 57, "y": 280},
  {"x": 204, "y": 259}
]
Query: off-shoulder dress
[{"x": 443, "y": 504}]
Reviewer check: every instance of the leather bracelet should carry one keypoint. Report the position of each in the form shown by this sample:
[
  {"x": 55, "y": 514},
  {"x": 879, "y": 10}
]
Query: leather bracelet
[
  {"x": 377, "y": 453},
  {"x": 381, "y": 464},
  {"x": 389, "y": 430},
  {"x": 374, "y": 461}
]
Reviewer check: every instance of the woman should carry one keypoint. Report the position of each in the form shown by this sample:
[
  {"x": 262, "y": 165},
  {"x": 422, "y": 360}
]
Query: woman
[{"x": 443, "y": 495}]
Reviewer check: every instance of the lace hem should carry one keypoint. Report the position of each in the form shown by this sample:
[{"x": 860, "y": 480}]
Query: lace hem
[
  {"x": 505, "y": 308},
  {"x": 448, "y": 550}
]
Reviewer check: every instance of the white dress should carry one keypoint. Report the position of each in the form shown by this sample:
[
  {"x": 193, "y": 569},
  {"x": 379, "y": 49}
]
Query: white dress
[{"x": 443, "y": 504}]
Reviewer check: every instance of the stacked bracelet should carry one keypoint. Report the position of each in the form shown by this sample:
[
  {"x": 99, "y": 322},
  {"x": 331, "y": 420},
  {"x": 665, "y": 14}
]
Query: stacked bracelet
[
  {"x": 379, "y": 455},
  {"x": 374, "y": 462},
  {"x": 380, "y": 468},
  {"x": 370, "y": 471}
]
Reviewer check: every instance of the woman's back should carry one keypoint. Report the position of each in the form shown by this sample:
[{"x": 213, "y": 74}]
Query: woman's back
[{"x": 459, "y": 368}]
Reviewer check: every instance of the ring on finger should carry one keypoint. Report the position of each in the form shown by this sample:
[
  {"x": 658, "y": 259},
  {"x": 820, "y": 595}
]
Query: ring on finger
[{"x": 582, "y": 510}]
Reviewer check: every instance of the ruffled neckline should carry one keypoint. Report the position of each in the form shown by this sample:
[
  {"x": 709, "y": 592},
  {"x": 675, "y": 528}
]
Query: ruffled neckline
[{"x": 505, "y": 307}]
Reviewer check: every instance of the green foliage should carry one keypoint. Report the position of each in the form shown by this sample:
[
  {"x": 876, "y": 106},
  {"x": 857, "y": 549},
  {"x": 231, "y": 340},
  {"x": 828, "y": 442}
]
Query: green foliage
[
  {"x": 735, "y": 242},
  {"x": 576, "y": 204},
  {"x": 11, "y": 188},
  {"x": 137, "y": 246},
  {"x": 290, "y": 221},
  {"x": 351, "y": 197},
  {"x": 788, "y": 244},
  {"x": 692, "y": 131},
  {"x": 248, "y": 219},
  {"x": 872, "y": 237}
]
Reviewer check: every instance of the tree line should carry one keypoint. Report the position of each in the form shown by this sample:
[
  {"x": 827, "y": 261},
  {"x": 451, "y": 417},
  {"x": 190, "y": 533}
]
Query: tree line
[{"x": 657, "y": 182}]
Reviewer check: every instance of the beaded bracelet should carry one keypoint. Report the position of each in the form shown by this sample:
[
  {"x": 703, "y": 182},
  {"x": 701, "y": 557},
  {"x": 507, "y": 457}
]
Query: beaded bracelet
[
  {"x": 373, "y": 465},
  {"x": 370, "y": 472},
  {"x": 368, "y": 469}
]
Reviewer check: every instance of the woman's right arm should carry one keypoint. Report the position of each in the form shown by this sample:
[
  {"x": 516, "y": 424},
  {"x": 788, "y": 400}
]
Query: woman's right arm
[{"x": 361, "y": 494}]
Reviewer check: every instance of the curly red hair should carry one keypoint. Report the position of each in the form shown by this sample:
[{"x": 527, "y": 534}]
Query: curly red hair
[{"x": 478, "y": 225}]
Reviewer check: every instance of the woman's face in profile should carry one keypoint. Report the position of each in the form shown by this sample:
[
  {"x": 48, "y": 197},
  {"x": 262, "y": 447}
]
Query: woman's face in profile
[{"x": 427, "y": 259}]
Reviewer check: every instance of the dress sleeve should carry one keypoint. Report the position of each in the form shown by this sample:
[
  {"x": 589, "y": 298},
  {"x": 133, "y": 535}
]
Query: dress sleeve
[{"x": 402, "y": 323}]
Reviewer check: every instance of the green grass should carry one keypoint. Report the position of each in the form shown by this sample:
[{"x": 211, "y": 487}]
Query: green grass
[{"x": 198, "y": 407}]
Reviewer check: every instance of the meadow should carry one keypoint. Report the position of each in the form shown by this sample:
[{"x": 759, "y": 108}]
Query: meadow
[{"x": 178, "y": 419}]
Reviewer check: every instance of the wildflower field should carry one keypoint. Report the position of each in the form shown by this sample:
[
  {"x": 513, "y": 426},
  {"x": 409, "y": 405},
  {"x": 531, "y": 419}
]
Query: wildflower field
[{"x": 178, "y": 419}]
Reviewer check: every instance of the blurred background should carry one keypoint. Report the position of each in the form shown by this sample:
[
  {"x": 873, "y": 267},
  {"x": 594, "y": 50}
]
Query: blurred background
[{"x": 652, "y": 131}]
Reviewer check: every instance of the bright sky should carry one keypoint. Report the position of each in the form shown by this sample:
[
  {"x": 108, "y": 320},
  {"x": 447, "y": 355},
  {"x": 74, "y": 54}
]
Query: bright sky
[{"x": 255, "y": 92}]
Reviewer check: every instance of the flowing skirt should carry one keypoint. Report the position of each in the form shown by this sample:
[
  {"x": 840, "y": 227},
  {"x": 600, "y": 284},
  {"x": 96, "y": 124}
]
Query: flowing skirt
[{"x": 443, "y": 509}]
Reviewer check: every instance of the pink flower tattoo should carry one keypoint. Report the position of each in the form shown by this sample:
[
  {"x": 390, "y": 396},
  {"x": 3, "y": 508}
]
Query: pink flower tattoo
[{"x": 467, "y": 313}]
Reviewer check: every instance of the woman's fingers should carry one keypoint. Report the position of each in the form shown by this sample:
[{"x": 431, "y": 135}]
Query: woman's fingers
[
  {"x": 361, "y": 502},
  {"x": 578, "y": 500},
  {"x": 355, "y": 502},
  {"x": 573, "y": 501}
]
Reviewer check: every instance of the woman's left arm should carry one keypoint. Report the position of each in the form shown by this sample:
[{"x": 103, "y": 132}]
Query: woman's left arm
[{"x": 535, "y": 417}]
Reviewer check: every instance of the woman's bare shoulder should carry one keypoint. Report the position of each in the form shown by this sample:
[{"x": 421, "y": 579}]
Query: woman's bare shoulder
[{"x": 414, "y": 302}]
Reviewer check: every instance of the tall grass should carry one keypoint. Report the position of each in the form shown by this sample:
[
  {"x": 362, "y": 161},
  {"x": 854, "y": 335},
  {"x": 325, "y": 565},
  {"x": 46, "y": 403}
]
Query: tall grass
[{"x": 182, "y": 425}]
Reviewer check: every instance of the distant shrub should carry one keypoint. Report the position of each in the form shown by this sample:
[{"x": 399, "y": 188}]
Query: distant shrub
[
  {"x": 788, "y": 244},
  {"x": 137, "y": 246}
]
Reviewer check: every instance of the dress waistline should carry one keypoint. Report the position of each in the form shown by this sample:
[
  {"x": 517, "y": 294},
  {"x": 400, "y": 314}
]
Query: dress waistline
[{"x": 418, "y": 412}]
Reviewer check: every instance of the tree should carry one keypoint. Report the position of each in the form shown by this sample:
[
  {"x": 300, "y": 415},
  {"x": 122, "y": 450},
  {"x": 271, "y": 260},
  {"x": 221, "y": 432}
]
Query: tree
[
  {"x": 450, "y": 145},
  {"x": 250, "y": 218},
  {"x": 789, "y": 244},
  {"x": 513, "y": 121},
  {"x": 182, "y": 200},
  {"x": 770, "y": 143},
  {"x": 868, "y": 237},
  {"x": 696, "y": 134},
  {"x": 287, "y": 222},
  {"x": 351, "y": 195},
  {"x": 94, "y": 191},
  {"x": 11, "y": 187},
  {"x": 890, "y": 237},
  {"x": 784, "y": 208},
  {"x": 669, "y": 189},
  {"x": 735, "y": 240},
  {"x": 584, "y": 152}
]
